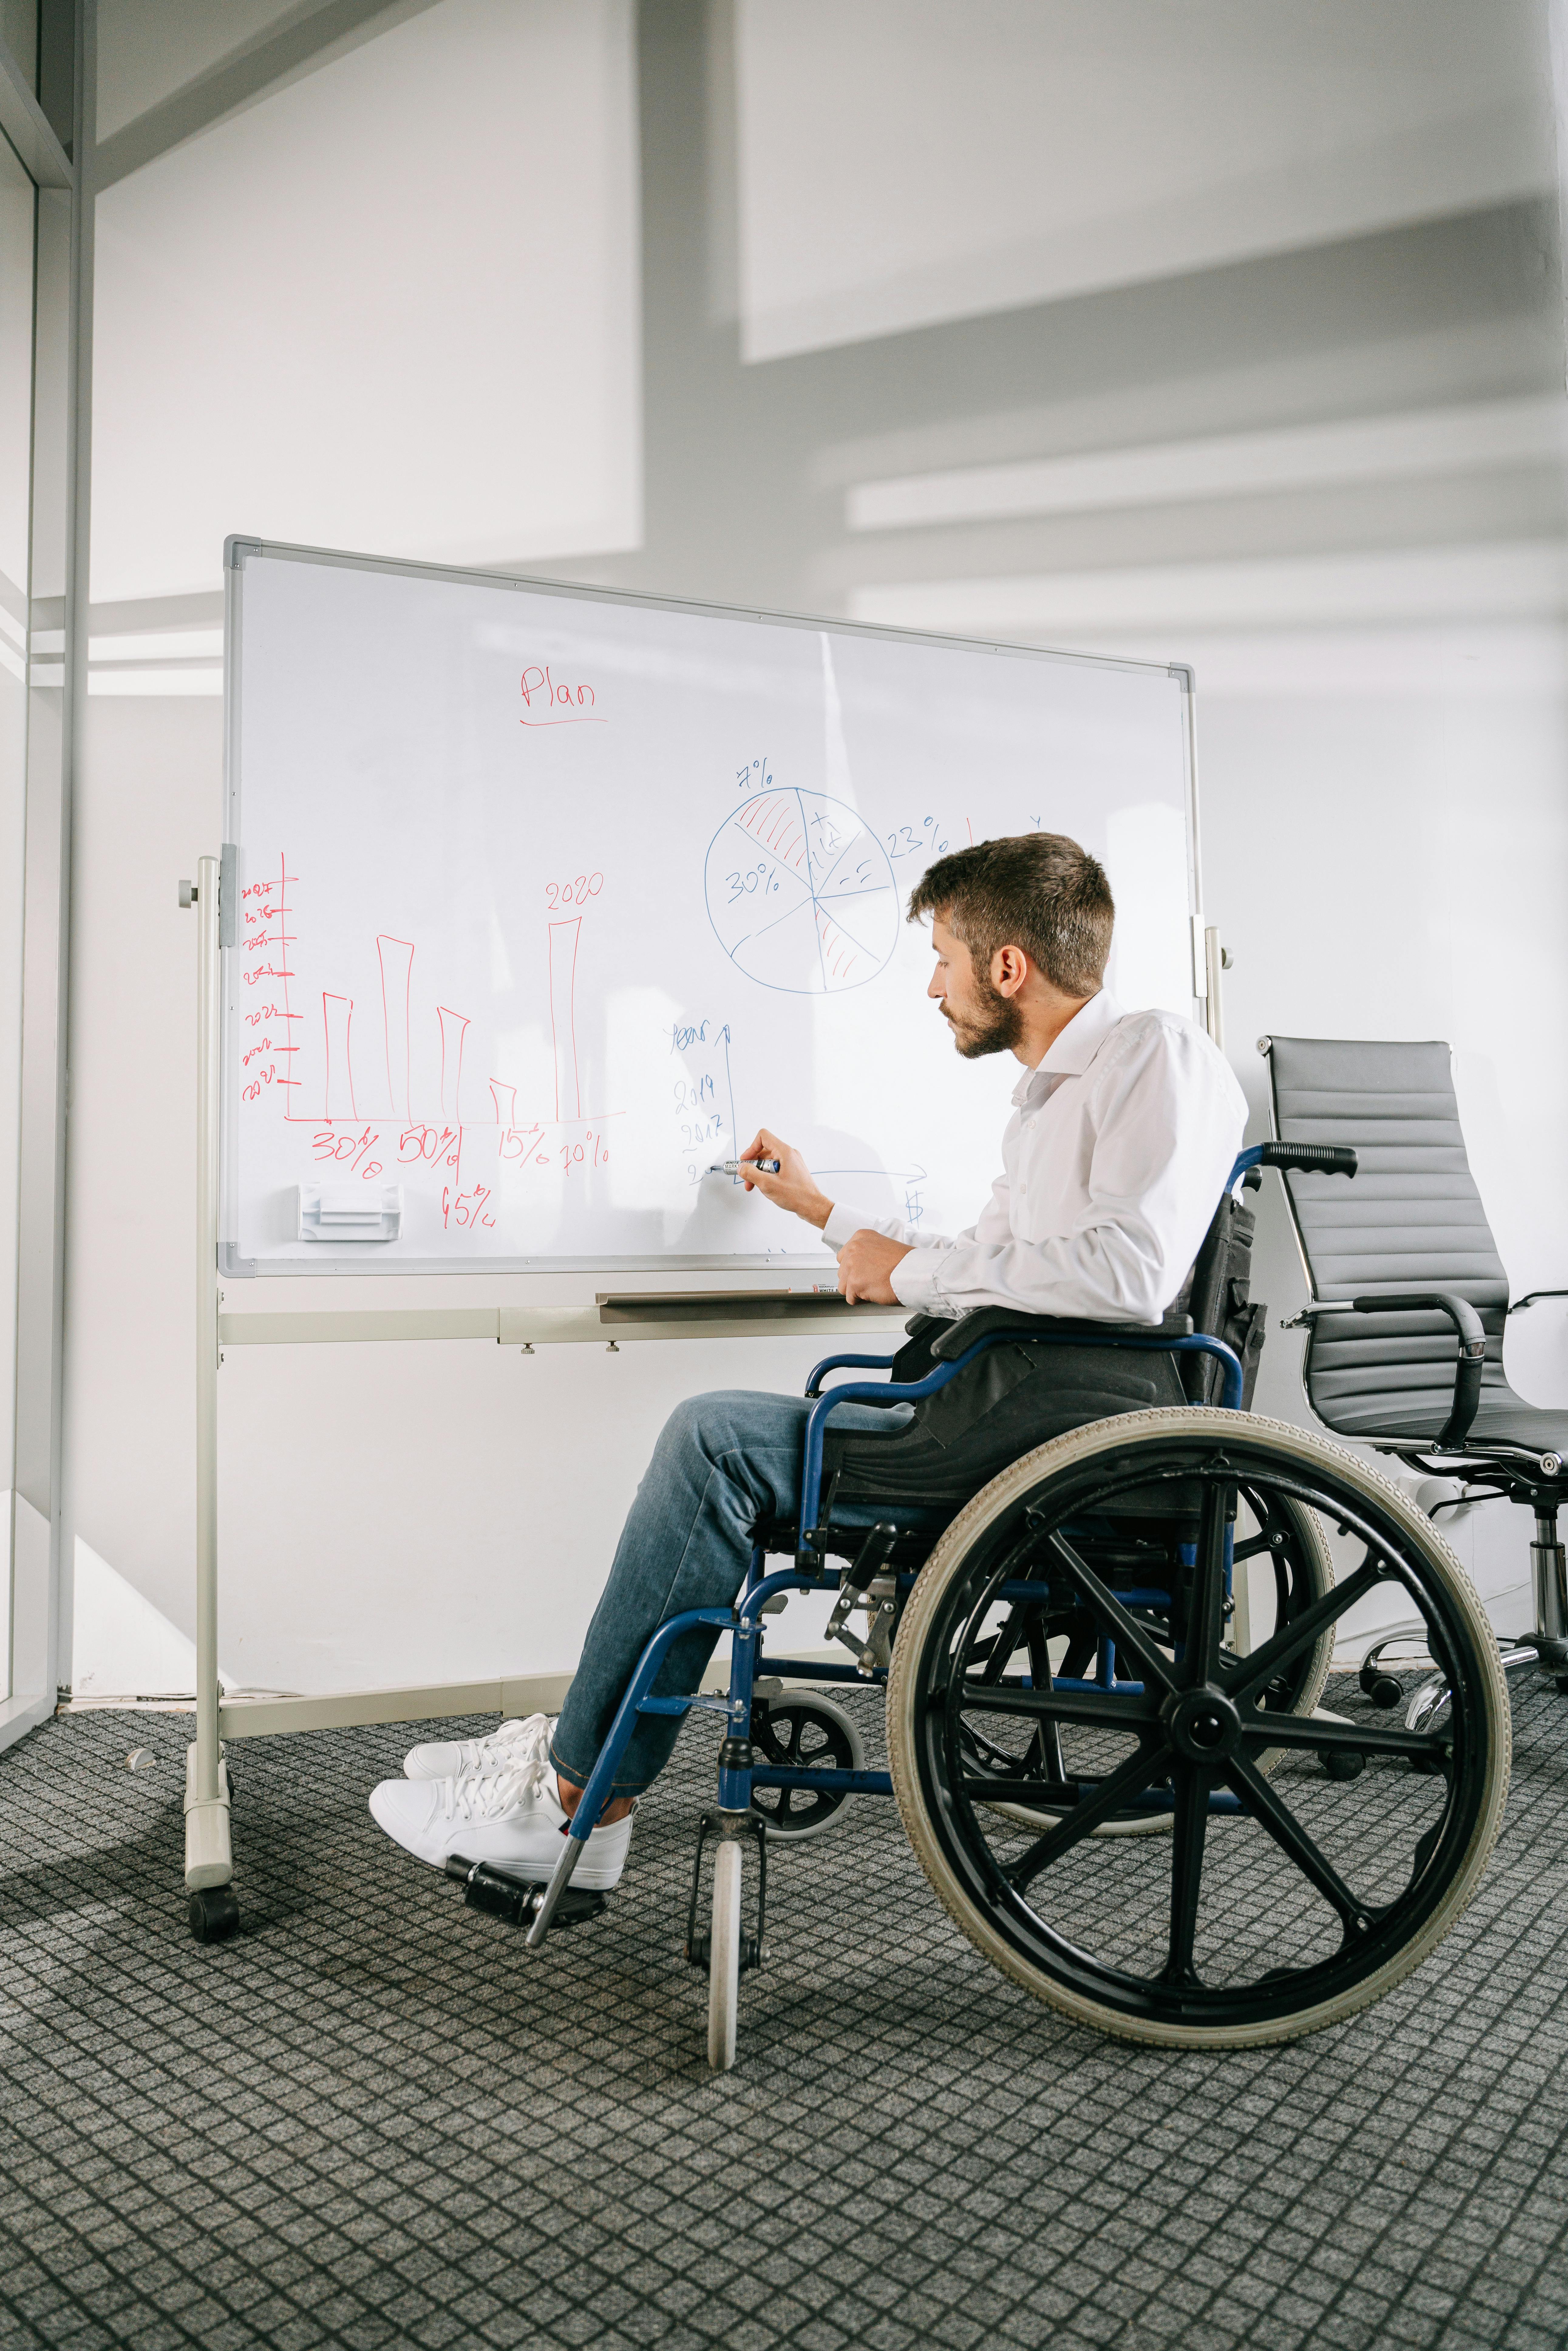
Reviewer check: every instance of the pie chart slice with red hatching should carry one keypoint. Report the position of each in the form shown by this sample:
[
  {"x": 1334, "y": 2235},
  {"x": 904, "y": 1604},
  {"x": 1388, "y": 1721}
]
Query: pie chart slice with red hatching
[{"x": 800, "y": 893}]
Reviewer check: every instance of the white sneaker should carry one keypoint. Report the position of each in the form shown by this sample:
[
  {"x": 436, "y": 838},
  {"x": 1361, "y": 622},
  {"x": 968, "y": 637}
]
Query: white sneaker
[
  {"x": 452, "y": 1759},
  {"x": 510, "y": 1818}
]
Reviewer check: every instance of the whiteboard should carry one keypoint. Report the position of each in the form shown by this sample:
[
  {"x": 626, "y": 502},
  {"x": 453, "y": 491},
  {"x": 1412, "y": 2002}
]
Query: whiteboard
[{"x": 549, "y": 897}]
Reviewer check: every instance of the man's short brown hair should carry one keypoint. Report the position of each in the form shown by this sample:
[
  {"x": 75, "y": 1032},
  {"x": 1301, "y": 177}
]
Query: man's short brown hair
[{"x": 1038, "y": 891}]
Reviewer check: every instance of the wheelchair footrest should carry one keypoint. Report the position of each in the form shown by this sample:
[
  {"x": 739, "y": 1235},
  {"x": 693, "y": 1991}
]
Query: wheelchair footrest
[{"x": 517, "y": 1899}]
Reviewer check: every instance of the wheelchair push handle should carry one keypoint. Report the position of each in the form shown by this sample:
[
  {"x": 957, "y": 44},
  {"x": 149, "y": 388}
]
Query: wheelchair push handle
[{"x": 1307, "y": 1158}]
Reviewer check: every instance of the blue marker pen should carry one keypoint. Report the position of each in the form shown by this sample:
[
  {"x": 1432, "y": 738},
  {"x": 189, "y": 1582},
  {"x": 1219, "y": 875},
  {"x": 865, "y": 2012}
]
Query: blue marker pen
[{"x": 740, "y": 1167}]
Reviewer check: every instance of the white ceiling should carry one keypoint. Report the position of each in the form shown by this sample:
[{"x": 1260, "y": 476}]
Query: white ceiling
[
  {"x": 393, "y": 307},
  {"x": 905, "y": 162}
]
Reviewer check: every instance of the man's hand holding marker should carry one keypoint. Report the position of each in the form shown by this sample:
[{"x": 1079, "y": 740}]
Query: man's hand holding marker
[{"x": 773, "y": 1167}]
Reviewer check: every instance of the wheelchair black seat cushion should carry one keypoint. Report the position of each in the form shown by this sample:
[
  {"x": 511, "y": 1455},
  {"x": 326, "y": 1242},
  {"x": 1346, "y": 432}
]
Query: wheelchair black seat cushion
[{"x": 1015, "y": 1396}]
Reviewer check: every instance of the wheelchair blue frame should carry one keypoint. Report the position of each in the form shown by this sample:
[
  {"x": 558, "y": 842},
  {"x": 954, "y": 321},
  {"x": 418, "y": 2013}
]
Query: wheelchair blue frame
[{"x": 744, "y": 1621}]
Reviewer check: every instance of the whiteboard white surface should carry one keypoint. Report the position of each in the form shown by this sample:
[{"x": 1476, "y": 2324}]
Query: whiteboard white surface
[{"x": 549, "y": 897}]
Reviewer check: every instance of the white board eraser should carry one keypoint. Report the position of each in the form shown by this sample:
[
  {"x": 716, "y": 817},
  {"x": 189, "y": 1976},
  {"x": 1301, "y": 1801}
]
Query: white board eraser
[{"x": 350, "y": 1212}]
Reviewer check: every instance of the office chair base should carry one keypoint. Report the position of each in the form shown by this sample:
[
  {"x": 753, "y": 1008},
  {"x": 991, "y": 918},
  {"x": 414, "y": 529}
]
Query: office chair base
[{"x": 1427, "y": 1700}]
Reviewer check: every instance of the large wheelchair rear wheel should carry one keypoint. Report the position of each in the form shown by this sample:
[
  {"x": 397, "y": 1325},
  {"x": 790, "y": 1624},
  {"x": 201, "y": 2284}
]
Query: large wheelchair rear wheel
[{"x": 1284, "y": 1899}]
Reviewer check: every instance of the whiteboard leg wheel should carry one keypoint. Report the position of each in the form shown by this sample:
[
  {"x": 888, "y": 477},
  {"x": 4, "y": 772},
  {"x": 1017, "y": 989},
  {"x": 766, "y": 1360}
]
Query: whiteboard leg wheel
[
  {"x": 213, "y": 1913},
  {"x": 724, "y": 1959}
]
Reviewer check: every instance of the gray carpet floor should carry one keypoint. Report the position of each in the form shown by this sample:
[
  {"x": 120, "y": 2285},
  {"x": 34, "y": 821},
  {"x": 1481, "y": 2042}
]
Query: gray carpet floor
[{"x": 372, "y": 2120}]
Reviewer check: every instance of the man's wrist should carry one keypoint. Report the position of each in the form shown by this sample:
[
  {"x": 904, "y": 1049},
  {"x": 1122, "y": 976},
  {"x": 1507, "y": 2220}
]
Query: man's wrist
[{"x": 821, "y": 1209}]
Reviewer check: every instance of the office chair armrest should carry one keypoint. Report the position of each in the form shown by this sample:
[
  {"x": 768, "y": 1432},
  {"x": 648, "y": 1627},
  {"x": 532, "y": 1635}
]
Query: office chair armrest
[
  {"x": 1003, "y": 1323},
  {"x": 1472, "y": 1341}
]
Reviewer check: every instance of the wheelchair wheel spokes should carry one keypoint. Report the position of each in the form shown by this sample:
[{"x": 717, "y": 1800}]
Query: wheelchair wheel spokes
[
  {"x": 1008, "y": 1747},
  {"x": 1266, "y": 1806},
  {"x": 1189, "y": 1827},
  {"x": 1204, "y": 1618},
  {"x": 1283, "y": 1898}
]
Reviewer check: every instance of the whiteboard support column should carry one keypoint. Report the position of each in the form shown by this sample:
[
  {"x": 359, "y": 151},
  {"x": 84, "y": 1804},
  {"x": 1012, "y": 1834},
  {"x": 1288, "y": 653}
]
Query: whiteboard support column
[{"x": 209, "y": 1859}]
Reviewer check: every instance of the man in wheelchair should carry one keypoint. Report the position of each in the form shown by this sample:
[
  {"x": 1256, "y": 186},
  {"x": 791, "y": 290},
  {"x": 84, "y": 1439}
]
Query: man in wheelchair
[{"x": 1124, "y": 1128}]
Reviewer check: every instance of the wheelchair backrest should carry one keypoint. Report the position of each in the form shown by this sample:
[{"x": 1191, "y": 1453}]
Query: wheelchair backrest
[
  {"x": 1413, "y": 1219},
  {"x": 1218, "y": 1295}
]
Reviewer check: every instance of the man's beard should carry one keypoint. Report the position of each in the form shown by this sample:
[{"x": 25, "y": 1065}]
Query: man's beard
[{"x": 995, "y": 1028}]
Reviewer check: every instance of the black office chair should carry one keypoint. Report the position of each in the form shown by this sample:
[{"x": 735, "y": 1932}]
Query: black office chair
[{"x": 1408, "y": 1302}]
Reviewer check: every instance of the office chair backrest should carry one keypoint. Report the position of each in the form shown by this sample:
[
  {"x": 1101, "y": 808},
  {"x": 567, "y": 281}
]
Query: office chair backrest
[{"x": 1412, "y": 1219}]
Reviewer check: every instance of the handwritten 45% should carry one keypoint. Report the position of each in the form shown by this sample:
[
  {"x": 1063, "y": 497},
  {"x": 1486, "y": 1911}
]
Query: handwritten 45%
[{"x": 466, "y": 1209}]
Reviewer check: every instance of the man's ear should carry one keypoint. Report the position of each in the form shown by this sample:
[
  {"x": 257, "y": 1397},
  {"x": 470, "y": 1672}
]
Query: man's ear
[{"x": 1010, "y": 969}]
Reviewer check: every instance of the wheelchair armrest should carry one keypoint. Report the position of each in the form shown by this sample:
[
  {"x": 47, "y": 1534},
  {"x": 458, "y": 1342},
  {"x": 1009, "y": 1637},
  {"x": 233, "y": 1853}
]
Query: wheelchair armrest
[
  {"x": 838, "y": 1362},
  {"x": 1002, "y": 1323},
  {"x": 1472, "y": 1340}
]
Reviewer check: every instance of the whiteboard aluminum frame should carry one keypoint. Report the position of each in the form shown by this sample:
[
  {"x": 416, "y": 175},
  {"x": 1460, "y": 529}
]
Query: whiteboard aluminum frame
[{"x": 240, "y": 548}]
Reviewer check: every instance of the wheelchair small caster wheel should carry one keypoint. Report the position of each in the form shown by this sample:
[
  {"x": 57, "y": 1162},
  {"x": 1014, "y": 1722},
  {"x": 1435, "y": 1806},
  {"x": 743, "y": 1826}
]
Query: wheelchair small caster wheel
[
  {"x": 1344, "y": 1763},
  {"x": 1561, "y": 1681},
  {"x": 724, "y": 1959},
  {"x": 1382, "y": 1688},
  {"x": 213, "y": 1913},
  {"x": 804, "y": 1732}
]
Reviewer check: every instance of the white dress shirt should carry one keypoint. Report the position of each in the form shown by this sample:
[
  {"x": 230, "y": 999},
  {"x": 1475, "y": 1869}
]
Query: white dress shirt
[{"x": 1114, "y": 1162}]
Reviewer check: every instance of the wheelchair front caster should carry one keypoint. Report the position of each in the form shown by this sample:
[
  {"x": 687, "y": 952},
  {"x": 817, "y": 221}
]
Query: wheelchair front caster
[
  {"x": 1344, "y": 1763},
  {"x": 724, "y": 1959},
  {"x": 1381, "y": 1689},
  {"x": 724, "y": 1950},
  {"x": 213, "y": 1913},
  {"x": 1561, "y": 1681}
]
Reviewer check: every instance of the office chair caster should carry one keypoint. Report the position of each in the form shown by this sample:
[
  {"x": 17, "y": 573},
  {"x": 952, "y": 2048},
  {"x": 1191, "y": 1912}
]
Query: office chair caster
[
  {"x": 214, "y": 1914},
  {"x": 1277, "y": 1912},
  {"x": 800, "y": 1731}
]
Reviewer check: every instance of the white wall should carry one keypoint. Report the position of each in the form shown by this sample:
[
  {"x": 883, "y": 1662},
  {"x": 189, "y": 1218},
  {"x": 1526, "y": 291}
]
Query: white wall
[
  {"x": 1009, "y": 152},
  {"x": 1393, "y": 864},
  {"x": 392, "y": 307}
]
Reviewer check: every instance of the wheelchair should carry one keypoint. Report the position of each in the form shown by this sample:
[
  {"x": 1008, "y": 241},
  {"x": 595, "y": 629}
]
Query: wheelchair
[{"x": 1103, "y": 1678}]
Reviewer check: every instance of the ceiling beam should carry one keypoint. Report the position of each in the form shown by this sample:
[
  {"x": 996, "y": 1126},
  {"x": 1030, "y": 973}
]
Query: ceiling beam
[
  {"x": 26, "y": 126},
  {"x": 309, "y": 38}
]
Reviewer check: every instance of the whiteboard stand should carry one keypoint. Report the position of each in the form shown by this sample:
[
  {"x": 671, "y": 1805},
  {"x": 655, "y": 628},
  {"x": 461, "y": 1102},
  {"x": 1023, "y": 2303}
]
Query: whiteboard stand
[{"x": 209, "y": 1852}]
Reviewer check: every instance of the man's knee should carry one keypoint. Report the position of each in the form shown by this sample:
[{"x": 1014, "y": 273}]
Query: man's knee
[
  {"x": 720, "y": 1416},
  {"x": 692, "y": 1423}
]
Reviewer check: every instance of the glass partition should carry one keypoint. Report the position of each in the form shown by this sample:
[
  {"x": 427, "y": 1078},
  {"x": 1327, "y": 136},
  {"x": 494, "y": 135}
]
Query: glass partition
[{"x": 17, "y": 200}]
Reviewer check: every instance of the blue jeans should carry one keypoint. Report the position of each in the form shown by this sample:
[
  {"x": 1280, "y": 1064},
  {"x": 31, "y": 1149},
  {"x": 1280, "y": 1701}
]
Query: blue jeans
[{"x": 723, "y": 1462}]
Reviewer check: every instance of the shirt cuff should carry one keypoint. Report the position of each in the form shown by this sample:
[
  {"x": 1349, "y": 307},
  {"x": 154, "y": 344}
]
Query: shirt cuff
[
  {"x": 841, "y": 1226},
  {"x": 914, "y": 1282}
]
